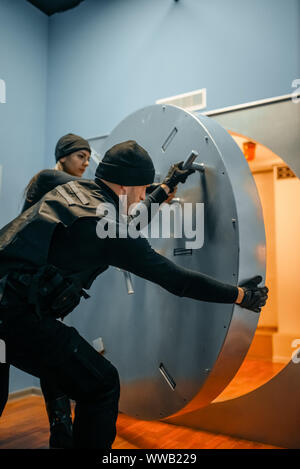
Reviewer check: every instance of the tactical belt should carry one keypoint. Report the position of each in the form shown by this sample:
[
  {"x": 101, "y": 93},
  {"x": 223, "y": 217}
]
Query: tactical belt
[{"x": 47, "y": 290}]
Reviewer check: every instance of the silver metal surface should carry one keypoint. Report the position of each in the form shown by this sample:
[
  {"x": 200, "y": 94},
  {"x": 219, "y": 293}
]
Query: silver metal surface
[
  {"x": 275, "y": 125},
  {"x": 176, "y": 200},
  {"x": 177, "y": 354},
  {"x": 270, "y": 413},
  {"x": 243, "y": 106}
]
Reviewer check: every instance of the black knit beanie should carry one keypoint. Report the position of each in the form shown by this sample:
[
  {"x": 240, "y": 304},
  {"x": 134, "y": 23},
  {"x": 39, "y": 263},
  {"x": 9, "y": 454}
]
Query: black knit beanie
[
  {"x": 69, "y": 144},
  {"x": 127, "y": 164}
]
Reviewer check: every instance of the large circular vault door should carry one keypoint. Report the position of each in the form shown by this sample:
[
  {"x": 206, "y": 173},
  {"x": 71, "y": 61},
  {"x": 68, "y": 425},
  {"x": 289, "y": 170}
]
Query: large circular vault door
[{"x": 176, "y": 354}]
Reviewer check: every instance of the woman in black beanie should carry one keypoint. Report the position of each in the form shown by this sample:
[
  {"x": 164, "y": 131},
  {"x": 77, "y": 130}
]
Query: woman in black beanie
[{"x": 72, "y": 154}]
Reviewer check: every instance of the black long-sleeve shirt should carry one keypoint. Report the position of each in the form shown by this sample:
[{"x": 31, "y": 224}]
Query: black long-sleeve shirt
[{"x": 80, "y": 246}]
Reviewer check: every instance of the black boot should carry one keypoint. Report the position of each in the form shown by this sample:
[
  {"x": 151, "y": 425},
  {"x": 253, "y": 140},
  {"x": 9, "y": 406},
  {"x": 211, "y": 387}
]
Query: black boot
[{"x": 60, "y": 419}]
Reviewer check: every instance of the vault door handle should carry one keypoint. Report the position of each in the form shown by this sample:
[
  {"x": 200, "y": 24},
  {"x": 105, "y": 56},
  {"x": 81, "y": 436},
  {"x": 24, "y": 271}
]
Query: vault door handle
[{"x": 128, "y": 281}]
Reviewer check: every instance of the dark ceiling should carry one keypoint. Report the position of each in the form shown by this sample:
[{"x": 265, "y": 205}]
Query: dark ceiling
[{"x": 54, "y": 6}]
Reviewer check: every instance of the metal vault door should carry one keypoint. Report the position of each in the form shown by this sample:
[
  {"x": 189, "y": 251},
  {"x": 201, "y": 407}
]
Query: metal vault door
[{"x": 175, "y": 354}]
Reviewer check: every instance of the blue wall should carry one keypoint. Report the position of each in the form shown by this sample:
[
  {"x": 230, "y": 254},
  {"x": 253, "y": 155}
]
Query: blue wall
[
  {"x": 109, "y": 58},
  {"x": 23, "y": 67}
]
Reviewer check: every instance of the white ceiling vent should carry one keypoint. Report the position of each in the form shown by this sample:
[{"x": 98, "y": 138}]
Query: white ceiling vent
[{"x": 192, "y": 101}]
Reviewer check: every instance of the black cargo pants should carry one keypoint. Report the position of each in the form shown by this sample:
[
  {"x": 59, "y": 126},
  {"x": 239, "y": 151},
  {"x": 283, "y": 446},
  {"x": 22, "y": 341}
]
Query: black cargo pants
[{"x": 50, "y": 350}]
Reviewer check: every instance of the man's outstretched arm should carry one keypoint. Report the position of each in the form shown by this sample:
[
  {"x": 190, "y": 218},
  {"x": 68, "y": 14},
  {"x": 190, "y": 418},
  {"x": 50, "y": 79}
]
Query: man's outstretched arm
[{"x": 137, "y": 256}]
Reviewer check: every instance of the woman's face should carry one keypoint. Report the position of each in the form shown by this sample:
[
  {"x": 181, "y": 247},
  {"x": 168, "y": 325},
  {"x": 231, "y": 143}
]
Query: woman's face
[{"x": 76, "y": 163}]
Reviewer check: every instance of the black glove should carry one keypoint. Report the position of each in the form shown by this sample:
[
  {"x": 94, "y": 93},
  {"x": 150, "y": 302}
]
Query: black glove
[
  {"x": 176, "y": 174},
  {"x": 152, "y": 188},
  {"x": 255, "y": 297}
]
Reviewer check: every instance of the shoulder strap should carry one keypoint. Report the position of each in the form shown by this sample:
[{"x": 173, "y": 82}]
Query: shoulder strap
[
  {"x": 65, "y": 195},
  {"x": 74, "y": 188}
]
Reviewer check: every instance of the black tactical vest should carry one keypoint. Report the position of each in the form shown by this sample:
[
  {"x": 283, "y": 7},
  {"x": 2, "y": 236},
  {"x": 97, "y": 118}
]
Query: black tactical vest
[{"x": 25, "y": 241}]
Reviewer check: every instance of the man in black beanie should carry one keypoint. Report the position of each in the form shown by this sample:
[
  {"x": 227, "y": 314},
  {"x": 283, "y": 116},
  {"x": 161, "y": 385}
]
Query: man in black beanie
[
  {"x": 128, "y": 170},
  {"x": 127, "y": 164},
  {"x": 43, "y": 275}
]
